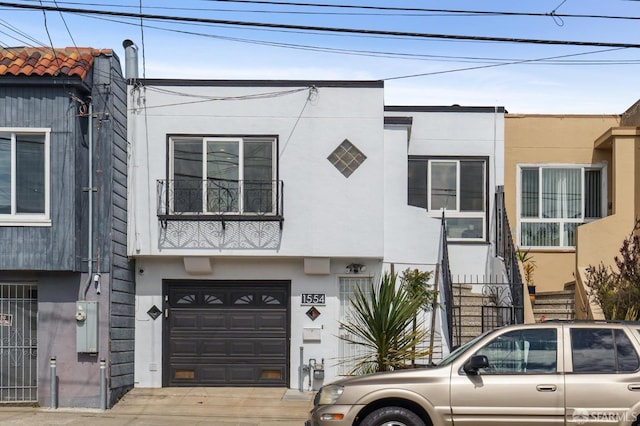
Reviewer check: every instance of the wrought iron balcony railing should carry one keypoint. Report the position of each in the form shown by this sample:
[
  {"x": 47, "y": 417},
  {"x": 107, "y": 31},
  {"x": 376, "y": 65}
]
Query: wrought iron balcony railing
[{"x": 220, "y": 200}]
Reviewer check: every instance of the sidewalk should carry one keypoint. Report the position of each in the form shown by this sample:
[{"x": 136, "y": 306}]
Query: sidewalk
[{"x": 180, "y": 406}]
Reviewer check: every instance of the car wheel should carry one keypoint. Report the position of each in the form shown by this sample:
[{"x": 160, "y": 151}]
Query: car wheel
[{"x": 392, "y": 416}]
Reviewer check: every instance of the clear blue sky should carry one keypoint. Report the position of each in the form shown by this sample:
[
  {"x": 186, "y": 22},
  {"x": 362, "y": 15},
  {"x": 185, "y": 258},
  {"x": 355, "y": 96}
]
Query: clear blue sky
[{"x": 587, "y": 80}]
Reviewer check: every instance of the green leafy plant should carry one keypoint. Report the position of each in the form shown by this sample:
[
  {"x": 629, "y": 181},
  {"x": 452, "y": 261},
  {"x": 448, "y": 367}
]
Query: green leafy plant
[
  {"x": 617, "y": 292},
  {"x": 528, "y": 265},
  {"x": 382, "y": 324},
  {"x": 416, "y": 283}
]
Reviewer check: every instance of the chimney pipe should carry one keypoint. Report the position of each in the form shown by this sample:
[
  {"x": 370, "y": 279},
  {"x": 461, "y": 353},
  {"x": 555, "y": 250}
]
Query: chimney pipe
[{"x": 130, "y": 59}]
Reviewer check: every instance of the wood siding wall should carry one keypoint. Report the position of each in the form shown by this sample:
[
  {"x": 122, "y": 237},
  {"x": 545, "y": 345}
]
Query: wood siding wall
[
  {"x": 54, "y": 248},
  {"x": 110, "y": 108},
  {"x": 64, "y": 245}
]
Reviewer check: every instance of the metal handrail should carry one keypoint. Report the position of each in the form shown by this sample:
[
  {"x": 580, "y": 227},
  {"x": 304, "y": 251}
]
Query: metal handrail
[
  {"x": 219, "y": 197},
  {"x": 507, "y": 251},
  {"x": 447, "y": 282}
]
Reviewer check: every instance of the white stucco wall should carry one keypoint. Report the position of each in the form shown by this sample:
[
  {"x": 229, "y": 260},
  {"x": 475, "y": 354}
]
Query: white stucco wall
[
  {"x": 149, "y": 350},
  {"x": 325, "y": 213},
  {"x": 364, "y": 218},
  {"x": 452, "y": 133}
]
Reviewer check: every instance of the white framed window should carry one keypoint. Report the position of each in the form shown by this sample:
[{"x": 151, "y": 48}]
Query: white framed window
[
  {"x": 222, "y": 175},
  {"x": 553, "y": 200},
  {"x": 457, "y": 186},
  {"x": 25, "y": 190}
]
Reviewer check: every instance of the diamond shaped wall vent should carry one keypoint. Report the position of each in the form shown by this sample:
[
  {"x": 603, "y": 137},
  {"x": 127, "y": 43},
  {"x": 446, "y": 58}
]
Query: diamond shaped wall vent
[{"x": 347, "y": 158}]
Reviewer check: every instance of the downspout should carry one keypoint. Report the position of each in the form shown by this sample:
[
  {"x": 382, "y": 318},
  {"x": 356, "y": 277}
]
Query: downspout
[{"x": 90, "y": 205}]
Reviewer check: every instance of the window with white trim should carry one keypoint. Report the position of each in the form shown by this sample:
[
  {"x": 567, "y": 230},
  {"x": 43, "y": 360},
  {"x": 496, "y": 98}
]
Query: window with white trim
[
  {"x": 555, "y": 200},
  {"x": 222, "y": 175},
  {"x": 457, "y": 186},
  {"x": 24, "y": 177}
]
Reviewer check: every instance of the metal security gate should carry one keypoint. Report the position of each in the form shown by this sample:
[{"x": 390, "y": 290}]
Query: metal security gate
[
  {"x": 18, "y": 343},
  {"x": 226, "y": 333},
  {"x": 347, "y": 352}
]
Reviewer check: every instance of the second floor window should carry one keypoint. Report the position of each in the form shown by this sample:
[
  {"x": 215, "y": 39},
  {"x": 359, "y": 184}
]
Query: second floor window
[
  {"x": 456, "y": 185},
  {"x": 24, "y": 176},
  {"x": 554, "y": 200},
  {"x": 221, "y": 175}
]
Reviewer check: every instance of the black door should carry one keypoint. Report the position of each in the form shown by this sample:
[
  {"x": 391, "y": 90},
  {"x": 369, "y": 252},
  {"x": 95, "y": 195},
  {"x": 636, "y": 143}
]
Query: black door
[{"x": 226, "y": 333}]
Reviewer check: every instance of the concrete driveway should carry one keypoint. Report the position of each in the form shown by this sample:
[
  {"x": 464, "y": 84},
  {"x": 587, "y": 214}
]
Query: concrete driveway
[{"x": 180, "y": 406}]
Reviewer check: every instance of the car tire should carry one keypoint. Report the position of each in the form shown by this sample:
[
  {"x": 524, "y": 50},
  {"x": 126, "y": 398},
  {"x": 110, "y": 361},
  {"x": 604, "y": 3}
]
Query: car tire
[{"x": 392, "y": 416}]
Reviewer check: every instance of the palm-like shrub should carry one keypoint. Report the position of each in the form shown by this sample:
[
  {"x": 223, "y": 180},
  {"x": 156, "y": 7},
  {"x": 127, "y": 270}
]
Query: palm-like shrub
[{"x": 382, "y": 324}]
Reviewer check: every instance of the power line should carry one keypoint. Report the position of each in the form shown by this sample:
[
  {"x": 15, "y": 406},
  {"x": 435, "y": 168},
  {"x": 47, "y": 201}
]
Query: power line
[
  {"x": 322, "y": 29},
  {"x": 420, "y": 9},
  {"x": 517, "y": 62},
  {"x": 556, "y": 60}
]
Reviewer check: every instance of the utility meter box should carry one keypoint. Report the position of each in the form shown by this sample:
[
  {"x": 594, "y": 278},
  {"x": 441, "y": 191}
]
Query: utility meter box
[{"x": 87, "y": 327}]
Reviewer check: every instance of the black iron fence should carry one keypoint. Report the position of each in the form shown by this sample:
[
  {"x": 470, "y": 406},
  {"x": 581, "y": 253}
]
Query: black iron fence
[{"x": 196, "y": 198}]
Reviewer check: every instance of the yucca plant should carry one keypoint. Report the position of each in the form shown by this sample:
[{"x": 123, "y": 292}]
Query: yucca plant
[{"x": 382, "y": 324}]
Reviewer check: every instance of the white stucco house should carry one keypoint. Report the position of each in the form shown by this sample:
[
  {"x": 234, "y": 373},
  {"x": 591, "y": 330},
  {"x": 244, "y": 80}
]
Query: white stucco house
[{"x": 256, "y": 207}]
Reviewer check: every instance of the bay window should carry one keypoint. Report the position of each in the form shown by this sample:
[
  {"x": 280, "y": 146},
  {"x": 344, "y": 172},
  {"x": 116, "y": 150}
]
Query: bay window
[
  {"x": 554, "y": 200},
  {"x": 24, "y": 177},
  {"x": 222, "y": 175},
  {"x": 457, "y": 186}
]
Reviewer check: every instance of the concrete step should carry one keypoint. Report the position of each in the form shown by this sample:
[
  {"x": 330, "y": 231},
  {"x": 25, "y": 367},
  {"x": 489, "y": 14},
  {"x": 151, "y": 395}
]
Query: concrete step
[
  {"x": 554, "y": 305},
  {"x": 554, "y": 316},
  {"x": 475, "y": 299}
]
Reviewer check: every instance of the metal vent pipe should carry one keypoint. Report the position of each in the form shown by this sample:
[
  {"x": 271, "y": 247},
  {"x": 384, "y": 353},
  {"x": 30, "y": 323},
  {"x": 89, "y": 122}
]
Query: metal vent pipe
[{"x": 130, "y": 59}]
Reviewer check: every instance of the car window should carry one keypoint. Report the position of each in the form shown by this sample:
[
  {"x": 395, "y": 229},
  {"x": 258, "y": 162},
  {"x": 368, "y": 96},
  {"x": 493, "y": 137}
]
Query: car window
[
  {"x": 602, "y": 350},
  {"x": 462, "y": 349},
  {"x": 531, "y": 351}
]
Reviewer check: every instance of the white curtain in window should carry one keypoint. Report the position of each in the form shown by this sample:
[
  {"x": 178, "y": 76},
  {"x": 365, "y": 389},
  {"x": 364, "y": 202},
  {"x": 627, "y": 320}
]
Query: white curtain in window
[{"x": 561, "y": 193}]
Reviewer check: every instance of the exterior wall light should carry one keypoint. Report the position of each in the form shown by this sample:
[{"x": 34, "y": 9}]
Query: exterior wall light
[{"x": 354, "y": 268}]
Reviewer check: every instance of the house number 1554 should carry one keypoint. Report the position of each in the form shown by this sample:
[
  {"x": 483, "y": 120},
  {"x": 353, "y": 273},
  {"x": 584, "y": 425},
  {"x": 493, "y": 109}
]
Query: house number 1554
[{"x": 313, "y": 299}]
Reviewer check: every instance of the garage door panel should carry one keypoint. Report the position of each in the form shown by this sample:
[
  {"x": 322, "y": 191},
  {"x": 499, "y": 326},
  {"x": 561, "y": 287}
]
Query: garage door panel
[
  {"x": 233, "y": 374},
  {"x": 242, "y": 348},
  {"x": 211, "y": 347},
  {"x": 183, "y": 321},
  {"x": 213, "y": 321},
  {"x": 242, "y": 321},
  {"x": 227, "y": 333},
  {"x": 273, "y": 321},
  {"x": 271, "y": 348},
  {"x": 180, "y": 347}
]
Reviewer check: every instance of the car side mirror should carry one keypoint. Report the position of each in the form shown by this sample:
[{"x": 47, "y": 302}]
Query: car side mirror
[{"x": 475, "y": 363}]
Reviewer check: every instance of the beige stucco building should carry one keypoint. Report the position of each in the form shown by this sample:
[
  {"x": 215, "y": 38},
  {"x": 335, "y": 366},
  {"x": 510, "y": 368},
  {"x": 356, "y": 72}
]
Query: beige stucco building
[{"x": 571, "y": 193}]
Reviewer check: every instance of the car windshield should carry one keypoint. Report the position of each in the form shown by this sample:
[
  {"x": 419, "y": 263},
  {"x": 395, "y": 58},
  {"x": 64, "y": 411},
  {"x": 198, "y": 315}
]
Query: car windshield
[{"x": 462, "y": 349}]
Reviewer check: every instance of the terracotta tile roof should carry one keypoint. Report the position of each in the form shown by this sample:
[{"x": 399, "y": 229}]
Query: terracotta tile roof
[{"x": 42, "y": 61}]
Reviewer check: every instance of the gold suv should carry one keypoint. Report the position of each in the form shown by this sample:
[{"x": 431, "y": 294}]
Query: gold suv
[{"x": 551, "y": 373}]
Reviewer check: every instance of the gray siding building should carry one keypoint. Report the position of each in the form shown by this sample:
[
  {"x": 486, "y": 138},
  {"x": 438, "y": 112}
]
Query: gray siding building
[{"x": 66, "y": 284}]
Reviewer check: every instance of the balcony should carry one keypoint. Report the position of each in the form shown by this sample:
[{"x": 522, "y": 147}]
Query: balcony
[
  {"x": 219, "y": 214},
  {"x": 216, "y": 200}
]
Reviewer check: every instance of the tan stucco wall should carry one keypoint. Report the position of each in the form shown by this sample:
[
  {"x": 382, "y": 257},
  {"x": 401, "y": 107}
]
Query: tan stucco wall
[
  {"x": 600, "y": 241},
  {"x": 551, "y": 139}
]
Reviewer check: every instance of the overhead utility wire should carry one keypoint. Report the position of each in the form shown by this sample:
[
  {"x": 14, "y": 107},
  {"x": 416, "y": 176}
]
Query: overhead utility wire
[
  {"x": 387, "y": 54},
  {"x": 517, "y": 62},
  {"x": 386, "y": 9},
  {"x": 324, "y": 29},
  {"x": 420, "y": 9}
]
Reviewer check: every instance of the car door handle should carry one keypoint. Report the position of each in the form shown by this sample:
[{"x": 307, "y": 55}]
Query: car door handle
[
  {"x": 634, "y": 387},
  {"x": 546, "y": 388}
]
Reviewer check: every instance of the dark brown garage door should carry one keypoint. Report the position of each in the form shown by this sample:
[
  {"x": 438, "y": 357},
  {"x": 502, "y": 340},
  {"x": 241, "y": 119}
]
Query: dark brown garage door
[{"x": 222, "y": 333}]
